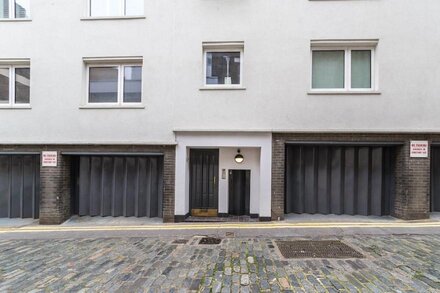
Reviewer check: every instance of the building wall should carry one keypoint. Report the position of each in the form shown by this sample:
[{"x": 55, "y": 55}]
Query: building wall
[
  {"x": 412, "y": 200},
  {"x": 252, "y": 163},
  {"x": 277, "y": 65},
  {"x": 55, "y": 185},
  {"x": 222, "y": 140}
]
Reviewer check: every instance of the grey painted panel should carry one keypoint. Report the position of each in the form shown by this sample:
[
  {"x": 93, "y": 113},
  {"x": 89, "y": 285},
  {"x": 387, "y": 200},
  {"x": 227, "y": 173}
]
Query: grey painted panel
[
  {"x": 204, "y": 179},
  {"x": 435, "y": 179},
  {"x": 119, "y": 186},
  {"x": 363, "y": 181},
  {"x": 19, "y": 186},
  {"x": 376, "y": 182},
  {"x": 340, "y": 180}
]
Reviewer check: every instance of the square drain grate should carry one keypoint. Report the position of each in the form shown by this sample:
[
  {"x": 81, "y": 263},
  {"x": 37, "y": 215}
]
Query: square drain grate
[
  {"x": 316, "y": 249},
  {"x": 210, "y": 241}
]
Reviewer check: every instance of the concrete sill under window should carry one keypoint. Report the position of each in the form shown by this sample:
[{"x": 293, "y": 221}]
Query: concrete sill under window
[
  {"x": 15, "y": 19},
  {"x": 15, "y": 107},
  {"x": 93, "y": 18},
  {"x": 112, "y": 107},
  {"x": 338, "y": 93},
  {"x": 222, "y": 88}
]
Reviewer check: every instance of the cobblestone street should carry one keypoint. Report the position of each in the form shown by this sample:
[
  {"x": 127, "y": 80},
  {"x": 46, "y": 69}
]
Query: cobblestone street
[{"x": 391, "y": 264}]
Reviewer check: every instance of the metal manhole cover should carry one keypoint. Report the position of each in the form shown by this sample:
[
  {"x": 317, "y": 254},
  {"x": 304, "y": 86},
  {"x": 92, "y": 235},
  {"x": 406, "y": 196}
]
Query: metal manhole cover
[
  {"x": 180, "y": 241},
  {"x": 316, "y": 249},
  {"x": 210, "y": 241}
]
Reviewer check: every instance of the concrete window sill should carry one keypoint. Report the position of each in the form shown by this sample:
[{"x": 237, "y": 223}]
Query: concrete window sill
[
  {"x": 15, "y": 19},
  {"x": 222, "y": 88},
  {"x": 94, "y": 18},
  {"x": 338, "y": 93},
  {"x": 98, "y": 107},
  {"x": 15, "y": 107}
]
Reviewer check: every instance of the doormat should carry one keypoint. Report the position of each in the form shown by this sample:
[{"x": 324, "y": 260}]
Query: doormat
[{"x": 316, "y": 249}]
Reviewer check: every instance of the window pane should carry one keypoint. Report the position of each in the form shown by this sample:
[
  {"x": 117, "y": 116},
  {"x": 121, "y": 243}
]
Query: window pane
[
  {"x": 103, "y": 85},
  {"x": 22, "y": 8},
  {"x": 361, "y": 69},
  {"x": 328, "y": 69},
  {"x": 132, "y": 84},
  {"x": 223, "y": 68},
  {"x": 4, "y": 85},
  {"x": 134, "y": 7},
  {"x": 105, "y": 7},
  {"x": 4, "y": 8},
  {"x": 22, "y": 85}
]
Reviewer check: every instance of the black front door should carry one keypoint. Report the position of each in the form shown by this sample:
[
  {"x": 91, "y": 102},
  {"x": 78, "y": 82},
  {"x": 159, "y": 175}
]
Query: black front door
[
  {"x": 435, "y": 179},
  {"x": 239, "y": 192},
  {"x": 204, "y": 182}
]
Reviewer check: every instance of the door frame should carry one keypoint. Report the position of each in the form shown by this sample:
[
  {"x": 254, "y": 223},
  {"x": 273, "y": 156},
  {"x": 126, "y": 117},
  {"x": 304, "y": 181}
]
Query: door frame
[{"x": 201, "y": 211}]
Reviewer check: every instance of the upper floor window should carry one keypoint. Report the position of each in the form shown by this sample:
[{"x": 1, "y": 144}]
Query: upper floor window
[
  {"x": 343, "y": 68},
  {"x": 14, "y": 8},
  {"x": 107, "y": 8},
  {"x": 14, "y": 85},
  {"x": 223, "y": 65},
  {"x": 114, "y": 84}
]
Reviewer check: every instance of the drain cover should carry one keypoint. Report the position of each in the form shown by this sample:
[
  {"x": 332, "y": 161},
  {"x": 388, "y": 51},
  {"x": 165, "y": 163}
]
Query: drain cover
[
  {"x": 316, "y": 249},
  {"x": 210, "y": 241},
  {"x": 180, "y": 241}
]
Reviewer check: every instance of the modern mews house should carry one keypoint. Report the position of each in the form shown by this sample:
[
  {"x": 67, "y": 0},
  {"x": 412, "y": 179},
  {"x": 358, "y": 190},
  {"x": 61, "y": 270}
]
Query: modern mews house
[{"x": 210, "y": 108}]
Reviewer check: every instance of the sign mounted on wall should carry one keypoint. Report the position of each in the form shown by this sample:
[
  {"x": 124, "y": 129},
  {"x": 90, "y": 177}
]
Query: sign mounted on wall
[
  {"x": 49, "y": 159},
  {"x": 419, "y": 149}
]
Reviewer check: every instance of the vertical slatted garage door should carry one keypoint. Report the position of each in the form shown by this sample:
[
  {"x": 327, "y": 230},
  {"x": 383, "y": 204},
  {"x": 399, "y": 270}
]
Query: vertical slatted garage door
[
  {"x": 118, "y": 186},
  {"x": 339, "y": 180},
  {"x": 435, "y": 179},
  {"x": 19, "y": 186}
]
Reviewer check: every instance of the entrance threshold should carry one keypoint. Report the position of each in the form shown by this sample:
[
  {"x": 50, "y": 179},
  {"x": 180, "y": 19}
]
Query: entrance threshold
[{"x": 227, "y": 219}]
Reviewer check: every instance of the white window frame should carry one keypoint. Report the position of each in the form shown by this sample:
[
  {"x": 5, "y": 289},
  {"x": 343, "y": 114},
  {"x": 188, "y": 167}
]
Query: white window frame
[
  {"x": 121, "y": 71},
  {"x": 12, "y": 11},
  {"x": 207, "y": 50},
  {"x": 122, "y": 6},
  {"x": 12, "y": 103},
  {"x": 347, "y": 70}
]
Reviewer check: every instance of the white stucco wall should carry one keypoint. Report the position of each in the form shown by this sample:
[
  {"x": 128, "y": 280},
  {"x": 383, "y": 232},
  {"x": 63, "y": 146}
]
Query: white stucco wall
[
  {"x": 253, "y": 145},
  {"x": 276, "y": 36},
  {"x": 252, "y": 163}
]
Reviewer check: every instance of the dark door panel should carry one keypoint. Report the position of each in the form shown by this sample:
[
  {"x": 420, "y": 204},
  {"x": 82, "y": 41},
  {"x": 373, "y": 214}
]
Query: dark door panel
[
  {"x": 239, "y": 192},
  {"x": 339, "y": 180},
  {"x": 118, "y": 186},
  {"x": 435, "y": 179},
  {"x": 204, "y": 166},
  {"x": 19, "y": 186}
]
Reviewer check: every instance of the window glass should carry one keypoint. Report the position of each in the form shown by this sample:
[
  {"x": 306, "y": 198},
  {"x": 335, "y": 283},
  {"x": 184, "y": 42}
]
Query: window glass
[
  {"x": 328, "y": 69},
  {"x": 4, "y": 85},
  {"x": 103, "y": 85},
  {"x": 22, "y": 85},
  {"x": 361, "y": 69},
  {"x": 4, "y": 8},
  {"x": 134, "y": 7},
  {"x": 132, "y": 84},
  {"x": 105, "y": 8},
  {"x": 223, "y": 68},
  {"x": 22, "y": 8}
]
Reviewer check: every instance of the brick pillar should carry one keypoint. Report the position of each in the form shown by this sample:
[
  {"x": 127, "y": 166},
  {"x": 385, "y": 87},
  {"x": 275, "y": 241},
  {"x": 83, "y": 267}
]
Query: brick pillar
[
  {"x": 278, "y": 162},
  {"x": 412, "y": 185},
  {"x": 55, "y": 193},
  {"x": 168, "y": 188}
]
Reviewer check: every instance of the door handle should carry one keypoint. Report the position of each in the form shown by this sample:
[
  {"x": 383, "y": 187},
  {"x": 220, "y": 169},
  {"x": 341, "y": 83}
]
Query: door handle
[{"x": 214, "y": 180}]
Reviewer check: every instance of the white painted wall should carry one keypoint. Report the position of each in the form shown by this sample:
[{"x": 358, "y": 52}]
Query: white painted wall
[
  {"x": 254, "y": 145},
  {"x": 252, "y": 163},
  {"x": 276, "y": 36}
]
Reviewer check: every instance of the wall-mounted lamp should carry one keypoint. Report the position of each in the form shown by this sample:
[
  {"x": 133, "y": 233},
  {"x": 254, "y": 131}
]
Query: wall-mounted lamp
[{"x": 239, "y": 157}]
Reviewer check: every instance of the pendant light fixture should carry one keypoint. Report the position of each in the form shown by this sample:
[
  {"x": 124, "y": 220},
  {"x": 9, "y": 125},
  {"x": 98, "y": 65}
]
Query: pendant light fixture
[{"x": 239, "y": 157}]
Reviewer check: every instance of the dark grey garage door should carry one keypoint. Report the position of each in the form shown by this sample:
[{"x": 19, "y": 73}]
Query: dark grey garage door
[
  {"x": 19, "y": 186},
  {"x": 339, "y": 180},
  {"x": 435, "y": 179},
  {"x": 118, "y": 186}
]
